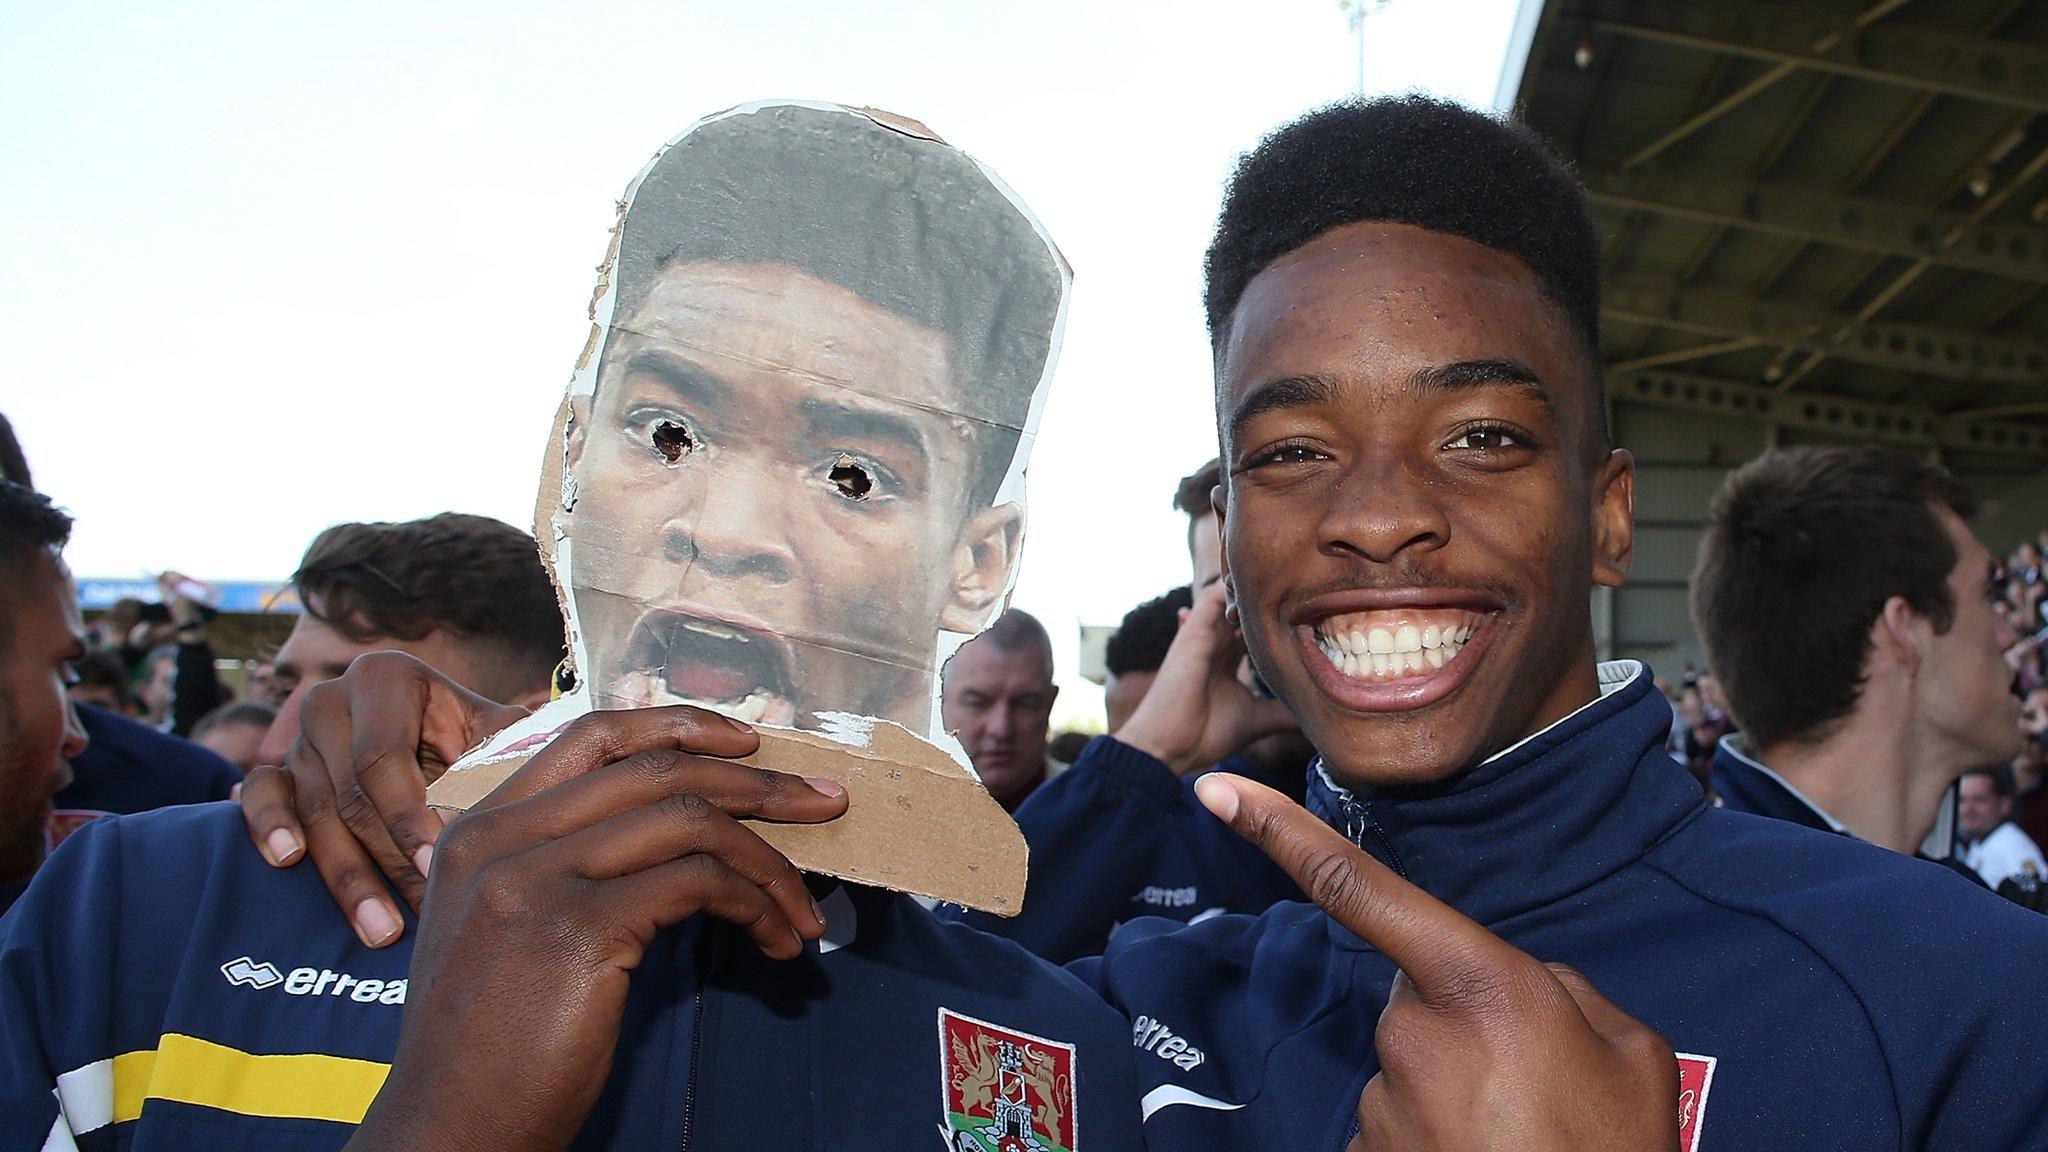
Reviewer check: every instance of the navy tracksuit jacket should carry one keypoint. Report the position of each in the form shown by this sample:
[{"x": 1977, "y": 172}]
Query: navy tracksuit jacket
[
  {"x": 1118, "y": 836},
  {"x": 161, "y": 987},
  {"x": 1823, "y": 993}
]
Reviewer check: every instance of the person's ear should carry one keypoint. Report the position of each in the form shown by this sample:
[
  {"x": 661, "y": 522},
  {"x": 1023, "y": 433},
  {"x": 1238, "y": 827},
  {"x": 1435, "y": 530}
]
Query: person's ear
[
  {"x": 983, "y": 562},
  {"x": 1614, "y": 519},
  {"x": 1899, "y": 636}
]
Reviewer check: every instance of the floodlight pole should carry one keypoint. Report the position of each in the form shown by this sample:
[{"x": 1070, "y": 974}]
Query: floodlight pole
[{"x": 1355, "y": 12}]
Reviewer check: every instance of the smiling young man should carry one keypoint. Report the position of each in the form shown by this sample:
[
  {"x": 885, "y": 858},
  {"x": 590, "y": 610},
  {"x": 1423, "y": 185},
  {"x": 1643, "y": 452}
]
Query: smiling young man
[
  {"x": 40, "y": 635},
  {"x": 1421, "y": 495}
]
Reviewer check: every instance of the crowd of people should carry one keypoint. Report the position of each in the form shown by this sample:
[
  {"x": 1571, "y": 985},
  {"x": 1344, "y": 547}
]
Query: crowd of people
[{"x": 1373, "y": 837}]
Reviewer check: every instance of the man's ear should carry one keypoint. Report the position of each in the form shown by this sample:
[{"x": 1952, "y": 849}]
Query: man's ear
[
  {"x": 1898, "y": 634},
  {"x": 1614, "y": 519},
  {"x": 983, "y": 562}
]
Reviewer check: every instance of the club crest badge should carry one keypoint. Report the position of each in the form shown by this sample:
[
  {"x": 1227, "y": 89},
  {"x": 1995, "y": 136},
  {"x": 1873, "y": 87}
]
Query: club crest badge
[
  {"x": 1005, "y": 1091},
  {"x": 1695, "y": 1076}
]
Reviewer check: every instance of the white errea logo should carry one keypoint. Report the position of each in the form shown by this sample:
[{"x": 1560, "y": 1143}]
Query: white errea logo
[
  {"x": 1151, "y": 1036},
  {"x": 245, "y": 972}
]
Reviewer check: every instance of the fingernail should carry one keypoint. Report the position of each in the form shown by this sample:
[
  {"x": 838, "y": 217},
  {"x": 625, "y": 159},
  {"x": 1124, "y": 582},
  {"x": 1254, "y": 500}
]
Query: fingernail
[
  {"x": 817, "y": 913},
  {"x": 832, "y": 788},
  {"x": 1218, "y": 797},
  {"x": 422, "y": 858},
  {"x": 738, "y": 725},
  {"x": 284, "y": 846},
  {"x": 376, "y": 923}
]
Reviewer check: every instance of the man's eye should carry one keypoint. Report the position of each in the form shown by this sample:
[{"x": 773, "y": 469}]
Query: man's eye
[
  {"x": 1487, "y": 440},
  {"x": 1285, "y": 454}
]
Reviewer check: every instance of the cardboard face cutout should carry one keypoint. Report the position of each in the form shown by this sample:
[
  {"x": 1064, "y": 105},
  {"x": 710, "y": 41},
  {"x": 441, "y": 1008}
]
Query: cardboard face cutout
[{"x": 787, "y": 479}]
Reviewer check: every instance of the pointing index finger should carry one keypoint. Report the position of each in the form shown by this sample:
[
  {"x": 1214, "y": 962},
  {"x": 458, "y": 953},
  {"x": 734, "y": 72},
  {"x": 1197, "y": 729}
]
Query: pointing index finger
[{"x": 1449, "y": 958}]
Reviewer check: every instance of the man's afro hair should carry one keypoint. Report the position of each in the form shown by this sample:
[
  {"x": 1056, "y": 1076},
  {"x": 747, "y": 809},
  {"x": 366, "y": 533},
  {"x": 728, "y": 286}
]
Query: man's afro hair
[{"x": 1408, "y": 160}]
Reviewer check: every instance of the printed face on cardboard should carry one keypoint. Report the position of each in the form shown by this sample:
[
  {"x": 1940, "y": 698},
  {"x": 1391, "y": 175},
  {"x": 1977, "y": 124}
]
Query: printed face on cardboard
[{"x": 793, "y": 465}]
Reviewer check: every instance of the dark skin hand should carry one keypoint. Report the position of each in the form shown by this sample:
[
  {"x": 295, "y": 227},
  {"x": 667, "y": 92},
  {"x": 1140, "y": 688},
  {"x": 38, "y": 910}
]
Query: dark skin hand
[
  {"x": 354, "y": 787},
  {"x": 1482, "y": 1048},
  {"x": 546, "y": 896}
]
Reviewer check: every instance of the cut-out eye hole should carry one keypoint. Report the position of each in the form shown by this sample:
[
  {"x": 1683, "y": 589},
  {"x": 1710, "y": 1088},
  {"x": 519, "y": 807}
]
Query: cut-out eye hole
[
  {"x": 672, "y": 440},
  {"x": 853, "y": 480}
]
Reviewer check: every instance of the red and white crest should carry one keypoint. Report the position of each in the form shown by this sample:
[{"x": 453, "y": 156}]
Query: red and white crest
[
  {"x": 1005, "y": 1091},
  {"x": 1695, "y": 1076}
]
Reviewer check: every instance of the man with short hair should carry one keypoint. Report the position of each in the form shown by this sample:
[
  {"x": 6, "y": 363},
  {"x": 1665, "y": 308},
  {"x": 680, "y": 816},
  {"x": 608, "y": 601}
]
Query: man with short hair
[
  {"x": 1205, "y": 542},
  {"x": 1404, "y": 305},
  {"x": 234, "y": 732},
  {"x": 1991, "y": 843},
  {"x": 40, "y": 635},
  {"x": 996, "y": 697},
  {"x": 1135, "y": 651},
  {"x": 125, "y": 766},
  {"x": 1845, "y": 607}
]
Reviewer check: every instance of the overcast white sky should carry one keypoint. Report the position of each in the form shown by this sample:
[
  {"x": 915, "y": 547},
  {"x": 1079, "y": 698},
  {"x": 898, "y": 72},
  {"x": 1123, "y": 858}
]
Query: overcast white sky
[{"x": 265, "y": 267}]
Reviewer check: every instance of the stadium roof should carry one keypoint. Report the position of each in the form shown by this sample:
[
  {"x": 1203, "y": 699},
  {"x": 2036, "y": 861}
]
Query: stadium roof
[{"x": 1829, "y": 217}]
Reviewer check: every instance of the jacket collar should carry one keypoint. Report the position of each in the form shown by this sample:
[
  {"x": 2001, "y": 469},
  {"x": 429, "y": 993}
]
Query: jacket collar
[
  {"x": 1537, "y": 821},
  {"x": 1745, "y": 785}
]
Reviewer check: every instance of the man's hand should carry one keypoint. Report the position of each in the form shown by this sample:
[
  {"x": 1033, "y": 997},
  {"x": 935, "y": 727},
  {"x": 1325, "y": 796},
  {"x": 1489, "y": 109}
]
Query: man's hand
[
  {"x": 1196, "y": 712},
  {"x": 1481, "y": 1047},
  {"x": 545, "y": 897},
  {"x": 353, "y": 790}
]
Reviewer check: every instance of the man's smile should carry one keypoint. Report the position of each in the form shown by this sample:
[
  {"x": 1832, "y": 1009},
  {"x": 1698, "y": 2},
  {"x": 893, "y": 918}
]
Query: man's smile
[{"x": 1394, "y": 650}]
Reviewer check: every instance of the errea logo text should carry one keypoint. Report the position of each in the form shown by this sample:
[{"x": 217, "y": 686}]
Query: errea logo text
[
  {"x": 1151, "y": 1036},
  {"x": 245, "y": 972}
]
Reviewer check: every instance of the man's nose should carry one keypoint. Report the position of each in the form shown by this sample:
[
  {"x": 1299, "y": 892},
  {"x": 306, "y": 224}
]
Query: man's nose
[
  {"x": 737, "y": 526},
  {"x": 1381, "y": 509},
  {"x": 1002, "y": 724},
  {"x": 283, "y": 731},
  {"x": 75, "y": 739}
]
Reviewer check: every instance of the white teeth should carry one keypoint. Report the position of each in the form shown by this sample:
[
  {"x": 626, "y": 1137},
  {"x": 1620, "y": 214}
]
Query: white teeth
[
  {"x": 1353, "y": 643},
  {"x": 708, "y": 629},
  {"x": 1435, "y": 656},
  {"x": 1380, "y": 664},
  {"x": 751, "y": 708},
  {"x": 1382, "y": 641},
  {"x": 1432, "y": 637},
  {"x": 1413, "y": 660},
  {"x": 1408, "y": 638}
]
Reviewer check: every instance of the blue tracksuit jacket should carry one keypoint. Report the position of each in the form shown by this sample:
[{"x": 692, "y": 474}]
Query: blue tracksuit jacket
[
  {"x": 1823, "y": 993},
  {"x": 1117, "y": 836},
  {"x": 161, "y": 987}
]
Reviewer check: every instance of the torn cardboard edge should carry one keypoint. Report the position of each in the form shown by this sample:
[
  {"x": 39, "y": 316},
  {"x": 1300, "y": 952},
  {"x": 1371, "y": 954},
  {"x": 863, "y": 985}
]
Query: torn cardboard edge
[{"x": 916, "y": 821}]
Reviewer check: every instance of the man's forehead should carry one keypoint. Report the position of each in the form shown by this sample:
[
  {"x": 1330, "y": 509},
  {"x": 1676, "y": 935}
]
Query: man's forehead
[
  {"x": 1391, "y": 297},
  {"x": 766, "y": 316}
]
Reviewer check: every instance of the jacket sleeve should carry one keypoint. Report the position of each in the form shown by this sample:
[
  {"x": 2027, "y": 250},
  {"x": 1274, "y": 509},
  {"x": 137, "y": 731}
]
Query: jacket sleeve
[
  {"x": 1094, "y": 832},
  {"x": 58, "y": 1067}
]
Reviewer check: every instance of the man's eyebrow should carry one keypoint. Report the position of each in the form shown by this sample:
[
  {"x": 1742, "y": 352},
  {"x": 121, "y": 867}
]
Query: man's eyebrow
[
  {"x": 678, "y": 374},
  {"x": 1293, "y": 392},
  {"x": 1489, "y": 373},
  {"x": 821, "y": 417}
]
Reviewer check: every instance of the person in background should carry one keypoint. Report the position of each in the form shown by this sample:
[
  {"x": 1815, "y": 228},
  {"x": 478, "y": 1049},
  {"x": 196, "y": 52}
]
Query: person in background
[
  {"x": 262, "y": 686},
  {"x": 40, "y": 635},
  {"x": 1990, "y": 842},
  {"x": 234, "y": 731},
  {"x": 1136, "y": 650},
  {"x": 101, "y": 680},
  {"x": 1205, "y": 540},
  {"x": 996, "y": 696},
  {"x": 1846, "y": 610},
  {"x": 124, "y": 766}
]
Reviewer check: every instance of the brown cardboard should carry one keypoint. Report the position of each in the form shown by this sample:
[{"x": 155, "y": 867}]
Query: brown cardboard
[
  {"x": 815, "y": 330},
  {"x": 916, "y": 821}
]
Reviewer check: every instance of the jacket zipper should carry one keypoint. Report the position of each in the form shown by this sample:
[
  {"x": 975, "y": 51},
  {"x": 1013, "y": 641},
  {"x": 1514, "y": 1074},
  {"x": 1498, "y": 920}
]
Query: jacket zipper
[
  {"x": 1359, "y": 825},
  {"x": 697, "y": 1036}
]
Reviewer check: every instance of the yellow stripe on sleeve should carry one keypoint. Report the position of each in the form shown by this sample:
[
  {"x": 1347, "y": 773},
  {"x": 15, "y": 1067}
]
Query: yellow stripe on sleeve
[{"x": 189, "y": 1070}]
